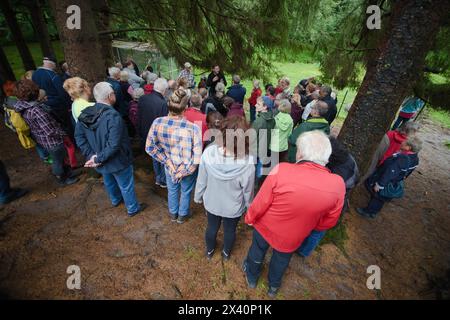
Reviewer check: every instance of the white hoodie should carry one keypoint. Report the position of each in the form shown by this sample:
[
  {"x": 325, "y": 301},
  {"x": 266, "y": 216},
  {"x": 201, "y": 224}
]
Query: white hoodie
[{"x": 224, "y": 184}]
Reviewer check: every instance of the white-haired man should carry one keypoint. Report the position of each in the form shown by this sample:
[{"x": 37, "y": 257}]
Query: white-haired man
[
  {"x": 114, "y": 81},
  {"x": 187, "y": 73},
  {"x": 294, "y": 200},
  {"x": 103, "y": 138},
  {"x": 237, "y": 91},
  {"x": 150, "y": 107}
]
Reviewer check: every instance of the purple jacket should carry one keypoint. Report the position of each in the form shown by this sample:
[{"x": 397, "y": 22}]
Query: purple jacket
[{"x": 236, "y": 109}]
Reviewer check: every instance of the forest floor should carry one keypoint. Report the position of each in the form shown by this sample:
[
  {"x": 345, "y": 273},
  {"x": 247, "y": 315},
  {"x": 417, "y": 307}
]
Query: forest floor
[{"x": 149, "y": 257}]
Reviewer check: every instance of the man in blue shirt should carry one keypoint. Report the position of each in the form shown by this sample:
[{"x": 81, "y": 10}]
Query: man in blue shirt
[{"x": 237, "y": 91}]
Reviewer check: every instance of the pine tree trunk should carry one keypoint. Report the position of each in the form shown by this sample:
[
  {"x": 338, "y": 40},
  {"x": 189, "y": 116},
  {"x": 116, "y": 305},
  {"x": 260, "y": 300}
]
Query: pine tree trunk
[
  {"x": 82, "y": 49},
  {"x": 414, "y": 25},
  {"x": 18, "y": 38},
  {"x": 103, "y": 19},
  {"x": 40, "y": 27},
  {"x": 6, "y": 72}
]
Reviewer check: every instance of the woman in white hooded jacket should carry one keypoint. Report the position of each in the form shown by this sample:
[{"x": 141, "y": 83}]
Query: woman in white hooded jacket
[{"x": 225, "y": 184}]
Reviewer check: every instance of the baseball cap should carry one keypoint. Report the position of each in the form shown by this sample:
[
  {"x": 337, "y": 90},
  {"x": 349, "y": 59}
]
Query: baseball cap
[{"x": 51, "y": 58}]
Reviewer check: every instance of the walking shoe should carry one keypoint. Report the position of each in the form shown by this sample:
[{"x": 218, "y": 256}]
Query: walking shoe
[
  {"x": 365, "y": 214},
  {"x": 272, "y": 292},
  {"x": 210, "y": 254},
  {"x": 67, "y": 181},
  {"x": 251, "y": 285},
  {"x": 183, "y": 219},
  {"x": 225, "y": 256},
  {"x": 14, "y": 194},
  {"x": 142, "y": 207},
  {"x": 173, "y": 217}
]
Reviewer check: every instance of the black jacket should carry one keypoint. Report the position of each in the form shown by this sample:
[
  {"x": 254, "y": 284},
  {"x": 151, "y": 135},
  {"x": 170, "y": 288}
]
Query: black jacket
[
  {"x": 215, "y": 104},
  {"x": 150, "y": 107},
  {"x": 395, "y": 169},
  {"x": 212, "y": 84},
  {"x": 101, "y": 131},
  {"x": 332, "y": 109}
]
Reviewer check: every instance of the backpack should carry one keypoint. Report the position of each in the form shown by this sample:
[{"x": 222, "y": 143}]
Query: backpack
[{"x": 19, "y": 126}]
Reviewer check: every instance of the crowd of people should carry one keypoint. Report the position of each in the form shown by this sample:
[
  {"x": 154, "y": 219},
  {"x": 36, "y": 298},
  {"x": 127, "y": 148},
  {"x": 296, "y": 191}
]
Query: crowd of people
[{"x": 197, "y": 136}]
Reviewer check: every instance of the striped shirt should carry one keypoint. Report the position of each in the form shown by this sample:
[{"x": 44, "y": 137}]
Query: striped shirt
[{"x": 176, "y": 143}]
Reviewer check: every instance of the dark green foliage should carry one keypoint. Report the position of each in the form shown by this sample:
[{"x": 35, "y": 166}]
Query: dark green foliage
[{"x": 241, "y": 36}]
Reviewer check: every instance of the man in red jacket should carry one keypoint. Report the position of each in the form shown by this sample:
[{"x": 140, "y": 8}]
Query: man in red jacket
[{"x": 294, "y": 200}]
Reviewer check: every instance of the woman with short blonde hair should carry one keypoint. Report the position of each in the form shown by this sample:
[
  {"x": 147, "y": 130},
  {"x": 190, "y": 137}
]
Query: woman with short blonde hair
[{"x": 80, "y": 92}]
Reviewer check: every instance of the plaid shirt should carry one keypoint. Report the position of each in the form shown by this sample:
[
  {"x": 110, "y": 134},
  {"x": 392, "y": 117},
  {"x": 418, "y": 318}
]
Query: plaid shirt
[
  {"x": 44, "y": 128},
  {"x": 189, "y": 76},
  {"x": 177, "y": 143}
]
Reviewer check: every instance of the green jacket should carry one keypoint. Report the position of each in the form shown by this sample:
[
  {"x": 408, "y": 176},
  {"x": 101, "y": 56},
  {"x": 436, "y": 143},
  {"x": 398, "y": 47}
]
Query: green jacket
[
  {"x": 309, "y": 125},
  {"x": 264, "y": 120},
  {"x": 279, "y": 139}
]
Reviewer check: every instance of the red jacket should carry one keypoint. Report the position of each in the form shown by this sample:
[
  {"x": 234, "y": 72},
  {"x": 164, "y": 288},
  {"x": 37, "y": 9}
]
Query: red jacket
[
  {"x": 256, "y": 93},
  {"x": 294, "y": 200},
  {"x": 196, "y": 116},
  {"x": 395, "y": 140},
  {"x": 148, "y": 88}
]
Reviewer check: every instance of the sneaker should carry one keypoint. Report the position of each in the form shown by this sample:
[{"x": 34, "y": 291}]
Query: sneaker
[
  {"x": 142, "y": 207},
  {"x": 173, "y": 217},
  {"x": 210, "y": 254},
  {"x": 365, "y": 214},
  {"x": 67, "y": 182},
  {"x": 13, "y": 195},
  {"x": 225, "y": 256},
  {"x": 272, "y": 292},
  {"x": 251, "y": 285},
  {"x": 183, "y": 219}
]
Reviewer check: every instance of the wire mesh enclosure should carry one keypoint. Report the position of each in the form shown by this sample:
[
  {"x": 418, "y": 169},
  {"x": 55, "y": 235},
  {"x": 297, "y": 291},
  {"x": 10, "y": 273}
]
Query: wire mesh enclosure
[{"x": 144, "y": 54}]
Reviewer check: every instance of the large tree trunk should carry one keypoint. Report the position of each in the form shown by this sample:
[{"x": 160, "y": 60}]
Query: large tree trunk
[
  {"x": 414, "y": 24},
  {"x": 82, "y": 49},
  {"x": 18, "y": 38},
  {"x": 103, "y": 19},
  {"x": 40, "y": 27},
  {"x": 6, "y": 72}
]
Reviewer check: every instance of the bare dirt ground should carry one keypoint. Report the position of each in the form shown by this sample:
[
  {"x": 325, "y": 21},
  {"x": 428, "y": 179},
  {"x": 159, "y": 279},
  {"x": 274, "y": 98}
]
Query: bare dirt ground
[{"x": 149, "y": 257}]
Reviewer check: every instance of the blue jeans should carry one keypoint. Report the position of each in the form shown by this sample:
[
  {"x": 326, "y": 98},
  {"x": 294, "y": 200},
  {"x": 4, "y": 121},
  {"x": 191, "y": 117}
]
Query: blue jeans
[
  {"x": 255, "y": 258},
  {"x": 180, "y": 204},
  {"x": 310, "y": 243},
  {"x": 120, "y": 185},
  {"x": 58, "y": 155},
  {"x": 43, "y": 154},
  {"x": 160, "y": 174}
]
